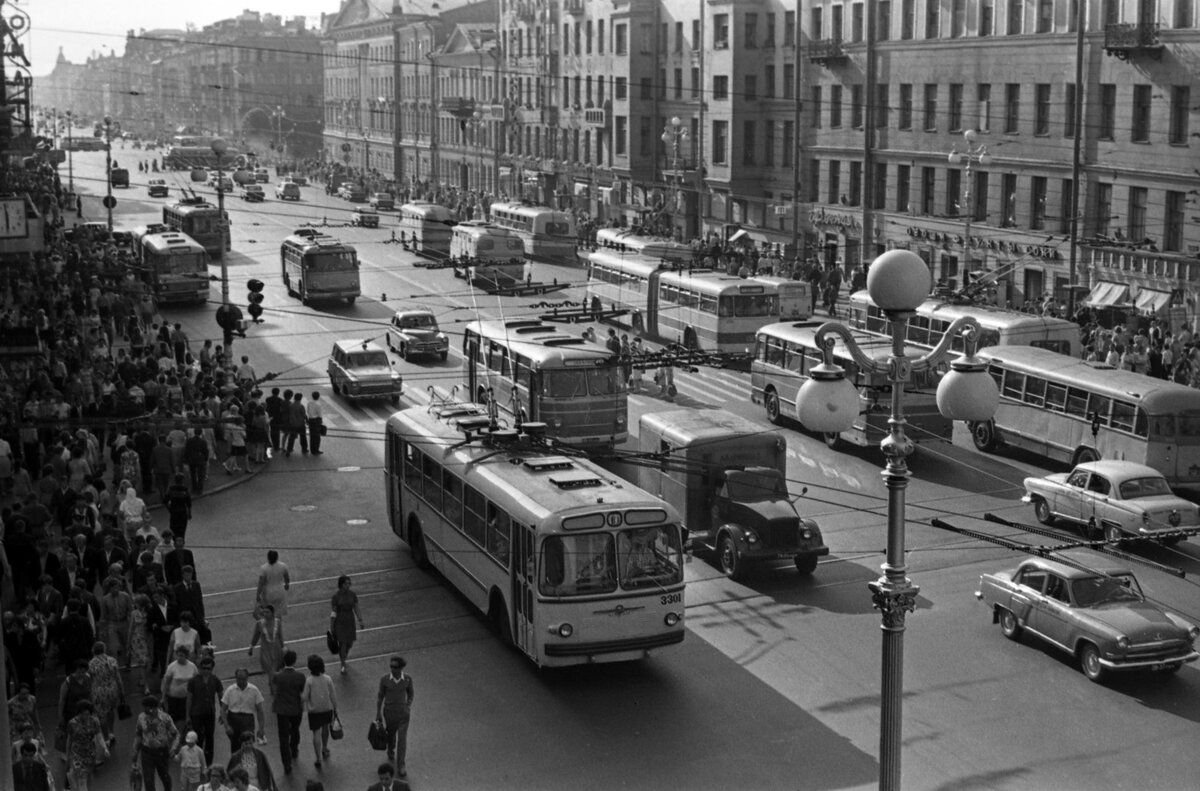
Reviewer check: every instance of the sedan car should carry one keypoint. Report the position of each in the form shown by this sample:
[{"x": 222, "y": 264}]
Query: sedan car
[
  {"x": 253, "y": 193},
  {"x": 301, "y": 180},
  {"x": 365, "y": 217},
  {"x": 1100, "y": 617},
  {"x": 360, "y": 370},
  {"x": 416, "y": 332},
  {"x": 383, "y": 201},
  {"x": 157, "y": 188},
  {"x": 1113, "y": 499}
]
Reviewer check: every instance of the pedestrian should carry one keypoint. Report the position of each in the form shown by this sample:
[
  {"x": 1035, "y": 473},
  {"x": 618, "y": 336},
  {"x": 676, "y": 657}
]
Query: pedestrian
[
  {"x": 108, "y": 690},
  {"x": 288, "y": 704},
  {"x": 235, "y": 433},
  {"x": 203, "y": 702},
  {"x": 275, "y": 413},
  {"x": 29, "y": 772},
  {"x": 246, "y": 377},
  {"x": 152, "y": 740},
  {"x": 393, "y": 709},
  {"x": 162, "y": 463},
  {"x": 195, "y": 455},
  {"x": 191, "y": 762},
  {"x": 387, "y": 779},
  {"x": 139, "y": 639},
  {"x": 343, "y": 615},
  {"x": 242, "y": 709},
  {"x": 321, "y": 703},
  {"x": 252, "y": 765},
  {"x": 216, "y": 779},
  {"x": 175, "y": 680},
  {"x": 85, "y": 746},
  {"x": 178, "y": 501},
  {"x": 316, "y": 426},
  {"x": 274, "y": 582},
  {"x": 296, "y": 421},
  {"x": 268, "y": 632}
]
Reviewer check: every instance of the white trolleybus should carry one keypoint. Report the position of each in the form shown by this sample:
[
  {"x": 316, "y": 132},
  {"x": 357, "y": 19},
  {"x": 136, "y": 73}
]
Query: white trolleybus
[
  {"x": 487, "y": 253},
  {"x": 550, "y": 548},
  {"x": 548, "y": 234},
  {"x": 698, "y": 308},
  {"x": 173, "y": 266},
  {"x": 785, "y": 353},
  {"x": 537, "y": 372},
  {"x": 427, "y": 227},
  {"x": 316, "y": 267},
  {"x": 202, "y": 221},
  {"x": 1068, "y": 410},
  {"x": 626, "y": 240},
  {"x": 1001, "y": 327}
]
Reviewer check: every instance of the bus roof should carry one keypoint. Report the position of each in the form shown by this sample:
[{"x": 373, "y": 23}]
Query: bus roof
[
  {"x": 428, "y": 211},
  {"x": 652, "y": 246},
  {"x": 544, "y": 344},
  {"x": 634, "y": 263},
  {"x": 531, "y": 482},
  {"x": 171, "y": 241},
  {"x": 478, "y": 229},
  {"x": 989, "y": 316},
  {"x": 1156, "y": 396},
  {"x": 804, "y": 333},
  {"x": 708, "y": 281},
  {"x": 192, "y": 206},
  {"x": 306, "y": 243},
  {"x": 526, "y": 209}
]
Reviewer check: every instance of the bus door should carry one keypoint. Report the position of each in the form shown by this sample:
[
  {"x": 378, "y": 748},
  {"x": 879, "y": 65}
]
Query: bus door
[{"x": 524, "y": 578}]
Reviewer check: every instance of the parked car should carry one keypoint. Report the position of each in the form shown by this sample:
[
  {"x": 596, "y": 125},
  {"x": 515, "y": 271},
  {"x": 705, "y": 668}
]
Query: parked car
[
  {"x": 157, "y": 188},
  {"x": 253, "y": 193},
  {"x": 1112, "y": 499},
  {"x": 382, "y": 201},
  {"x": 365, "y": 217},
  {"x": 287, "y": 190},
  {"x": 301, "y": 180},
  {"x": 353, "y": 192},
  {"x": 1100, "y": 617},
  {"x": 416, "y": 332},
  {"x": 360, "y": 370}
]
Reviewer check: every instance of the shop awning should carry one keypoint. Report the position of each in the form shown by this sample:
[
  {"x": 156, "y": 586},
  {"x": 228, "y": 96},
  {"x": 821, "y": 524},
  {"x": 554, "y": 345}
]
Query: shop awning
[
  {"x": 1150, "y": 300},
  {"x": 1107, "y": 294},
  {"x": 739, "y": 234}
]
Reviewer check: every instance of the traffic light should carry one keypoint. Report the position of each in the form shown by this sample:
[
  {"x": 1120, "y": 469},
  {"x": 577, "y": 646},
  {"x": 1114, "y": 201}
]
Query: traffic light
[{"x": 255, "y": 298}]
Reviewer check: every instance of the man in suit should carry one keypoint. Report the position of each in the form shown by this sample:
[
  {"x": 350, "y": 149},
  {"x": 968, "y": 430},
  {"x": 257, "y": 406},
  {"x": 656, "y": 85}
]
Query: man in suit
[
  {"x": 176, "y": 559},
  {"x": 110, "y": 553},
  {"x": 30, "y": 774},
  {"x": 71, "y": 571},
  {"x": 47, "y": 561},
  {"x": 159, "y": 624},
  {"x": 287, "y": 688},
  {"x": 186, "y": 596}
]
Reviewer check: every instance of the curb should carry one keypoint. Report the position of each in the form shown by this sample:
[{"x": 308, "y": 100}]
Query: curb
[{"x": 230, "y": 483}]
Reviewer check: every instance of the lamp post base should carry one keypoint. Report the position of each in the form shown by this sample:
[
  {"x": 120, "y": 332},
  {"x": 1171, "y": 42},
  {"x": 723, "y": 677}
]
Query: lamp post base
[{"x": 894, "y": 598}]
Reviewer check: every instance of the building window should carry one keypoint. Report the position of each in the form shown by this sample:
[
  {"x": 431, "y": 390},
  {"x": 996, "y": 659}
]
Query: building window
[
  {"x": 979, "y": 197},
  {"x": 1181, "y": 99},
  {"x": 1103, "y": 215},
  {"x": 1140, "y": 122},
  {"x": 789, "y": 28},
  {"x": 748, "y": 143},
  {"x": 1137, "y": 214},
  {"x": 1069, "y": 110},
  {"x": 928, "y": 182},
  {"x": 907, "y": 19},
  {"x": 883, "y": 20},
  {"x": 600, "y": 36},
  {"x": 1037, "y": 203},
  {"x": 1015, "y": 7},
  {"x": 956, "y": 106},
  {"x": 720, "y": 87},
  {"x": 647, "y": 38},
  {"x": 984, "y": 110},
  {"x": 905, "y": 119},
  {"x": 881, "y": 105},
  {"x": 856, "y": 106},
  {"x": 815, "y": 110},
  {"x": 768, "y": 143},
  {"x": 856, "y": 22},
  {"x": 1173, "y": 222},
  {"x": 769, "y": 36},
  {"x": 835, "y": 106},
  {"x": 751, "y": 31},
  {"x": 721, "y": 31},
  {"x": 662, "y": 84},
  {"x": 1045, "y": 19},
  {"x": 834, "y": 182},
  {"x": 814, "y": 181},
  {"x": 930, "y": 107},
  {"x": 789, "y": 81},
  {"x": 1012, "y": 107},
  {"x": 958, "y": 18},
  {"x": 646, "y": 89},
  {"x": 1108, "y": 112},
  {"x": 769, "y": 87},
  {"x": 855, "y": 184},
  {"x": 678, "y": 83},
  {"x": 953, "y": 191},
  {"x": 751, "y": 86},
  {"x": 678, "y": 36},
  {"x": 986, "y": 14},
  {"x": 644, "y": 134},
  {"x": 1008, "y": 200},
  {"x": 1183, "y": 14},
  {"x": 720, "y": 130},
  {"x": 621, "y": 88},
  {"x": 815, "y": 22},
  {"x": 695, "y": 82},
  {"x": 621, "y": 135},
  {"x": 902, "y": 177},
  {"x": 1041, "y": 108},
  {"x": 1066, "y": 206},
  {"x": 932, "y": 10},
  {"x": 620, "y": 39},
  {"x": 835, "y": 23}
]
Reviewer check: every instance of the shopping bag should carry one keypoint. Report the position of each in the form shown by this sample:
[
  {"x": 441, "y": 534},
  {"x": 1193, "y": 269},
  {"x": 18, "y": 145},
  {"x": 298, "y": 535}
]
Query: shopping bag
[
  {"x": 324, "y": 430},
  {"x": 335, "y": 729},
  {"x": 377, "y": 735},
  {"x": 331, "y": 642}
]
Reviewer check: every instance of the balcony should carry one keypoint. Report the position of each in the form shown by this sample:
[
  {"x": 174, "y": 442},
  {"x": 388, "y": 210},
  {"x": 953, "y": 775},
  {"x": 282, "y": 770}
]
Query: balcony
[
  {"x": 573, "y": 7},
  {"x": 595, "y": 116},
  {"x": 458, "y": 106},
  {"x": 526, "y": 11},
  {"x": 1128, "y": 40},
  {"x": 827, "y": 51}
]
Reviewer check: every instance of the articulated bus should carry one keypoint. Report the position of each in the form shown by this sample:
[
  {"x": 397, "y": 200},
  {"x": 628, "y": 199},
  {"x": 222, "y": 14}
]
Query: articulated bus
[
  {"x": 488, "y": 253},
  {"x": 625, "y": 240},
  {"x": 537, "y": 372},
  {"x": 428, "y": 227},
  {"x": 317, "y": 267},
  {"x": 1068, "y": 410},
  {"x": 1001, "y": 327},
  {"x": 173, "y": 266},
  {"x": 785, "y": 353},
  {"x": 550, "y": 548},
  {"x": 202, "y": 221},
  {"x": 187, "y": 157},
  {"x": 548, "y": 234},
  {"x": 698, "y": 308}
]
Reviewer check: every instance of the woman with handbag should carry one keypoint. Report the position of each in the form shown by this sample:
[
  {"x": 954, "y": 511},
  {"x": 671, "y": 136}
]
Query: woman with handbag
[
  {"x": 86, "y": 746},
  {"x": 268, "y": 631},
  {"x": 320, "y": 701},
  {"x": 343, "y": 615}
]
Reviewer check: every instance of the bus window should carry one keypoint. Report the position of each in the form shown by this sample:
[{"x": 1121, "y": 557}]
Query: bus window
[
  {"x": 708, "y": 303},
  {"x": 1035, "y": 390},
  {"x": 1099, "y": 406},
  {"x": 725, "y": 307},
  {"x": 564, "y": 384},
  {"x": 588, "y": 565},
  {"x": 1189, "y": 425},
  {"x": 432, "y": 472},
  {"x": 794, "y": 359},
  {"x": 1056, "y": 397},
  {"x": 774, "y": 352},
  {"x": 452, "y": 498},
  {"x": 648, "y": 557},
  {"x": 1077, "y": 402},
  {"x": 605, "y": 381},
  {"x": 499, "y": 526},
  {"x": 412, "y": 469},
  {"x": 553, "y": 565},
  {"x": 1014, "y": 384},
  {"x": 991, "y": 338},
  {"x": 473, "y": 514},
  {"x": 1161, "y": 426}
]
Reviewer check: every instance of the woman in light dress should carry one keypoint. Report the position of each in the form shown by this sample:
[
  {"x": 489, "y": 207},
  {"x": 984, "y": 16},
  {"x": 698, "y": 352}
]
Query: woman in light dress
[
  {"x": 268, "y": 632},
  {"x": 274, "y": 582},
  {"x": 107, "y": 688},
  {"x": 139, "y": 638}
]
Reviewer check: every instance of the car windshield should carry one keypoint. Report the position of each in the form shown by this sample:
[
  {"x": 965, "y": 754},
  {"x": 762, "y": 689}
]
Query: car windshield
[
  {"x": 1150, "y": 486},
  {"x": 1095, "y": 591},
  {"x": 418, "y": 322},
  {"x": 364, "y": 359}
]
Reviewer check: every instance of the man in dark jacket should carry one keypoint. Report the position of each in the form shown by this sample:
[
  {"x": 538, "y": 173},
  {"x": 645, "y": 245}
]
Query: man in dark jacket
[
  {"x": 187, "y": 596},
  {"x": 287, "y": 689},
  {"x": 30, "y": 774},
  {"x": 297, "y": 425},
  {"x": 275, "y": 406},
  {"x": 163, "y": 464},
  {"x": 195, "y": 455},
  {"x": 176, "y": 559},
  {"x": 178, "y": 501}
]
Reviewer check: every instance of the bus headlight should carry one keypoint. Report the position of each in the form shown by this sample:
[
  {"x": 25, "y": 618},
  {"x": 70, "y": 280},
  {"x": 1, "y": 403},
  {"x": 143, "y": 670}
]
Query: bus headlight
[
  {"x": 562, "y": 630},
  {"x": 672, "y": 618}
]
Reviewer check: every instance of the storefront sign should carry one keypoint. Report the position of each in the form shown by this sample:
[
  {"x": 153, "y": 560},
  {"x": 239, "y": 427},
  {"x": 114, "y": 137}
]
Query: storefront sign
[{"x": 841, "y": 220}]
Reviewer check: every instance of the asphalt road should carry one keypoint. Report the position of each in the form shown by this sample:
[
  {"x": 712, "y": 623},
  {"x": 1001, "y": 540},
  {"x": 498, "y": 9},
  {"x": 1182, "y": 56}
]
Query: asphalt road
[{"x": 776, "y": 686}]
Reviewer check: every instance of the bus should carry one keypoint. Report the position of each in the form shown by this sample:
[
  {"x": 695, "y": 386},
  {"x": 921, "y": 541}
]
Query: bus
[
  {"x": 698, "y": 308},
  {"x": 1001, "y": 327},
  {"x": 316, "y": 267},
  {"x": 185, "y": 157},
  {"x": 488, "y": 252},
  {"x": 428, "y": 227},
  {"x": 784, "y": 353},
  {"x": 795, "y": 296},
  {"x": 1068, "y": 410},
  {"x": 627, "y": 240},
  {"x": 548, "y": 234},
  {"x": 202, "y": 221},
  {"x": 535, "y": 371},
  {"x": 173, "y": 266},
  {"x": 548, "y": 547}
]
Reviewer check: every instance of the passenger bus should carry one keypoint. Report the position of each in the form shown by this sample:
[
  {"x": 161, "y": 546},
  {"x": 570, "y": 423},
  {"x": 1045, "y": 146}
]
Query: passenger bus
[
  {"x": 317, "y": 267},
  {"x": 795, "y": 296},
  {"x": 699, "y": 308},
  {"x": 487, "y": 252},
  {"x": 626, "y": 240},
  {"x": 1067, "y": 410},
  {"x": 173, "y": 266},
  {"x": 1001, "y": 327},
  {"x": 202, "y": 221},
  {"x": 548, "y": 234},
  {"x": 537, "y": 372},
  {"x": 785, "y": 353},
  {"x": 550, "y": 548},
  {"x": 185, "y": 157},
  {"x": 427, "y": 226}
]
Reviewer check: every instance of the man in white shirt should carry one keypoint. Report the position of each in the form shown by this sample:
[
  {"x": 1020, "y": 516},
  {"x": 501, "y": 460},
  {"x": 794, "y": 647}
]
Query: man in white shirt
[
  {"x": 242, "y": 710},
  {"x": 245, "y": 373},
  {"x": 312, "y": 411}
]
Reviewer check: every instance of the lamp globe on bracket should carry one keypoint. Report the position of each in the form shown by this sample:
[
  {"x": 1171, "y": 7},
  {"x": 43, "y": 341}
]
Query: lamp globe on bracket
[
  {"x": 828, "y": 402},
  {"x": 968, "y": 392},
  {"x": 898, "y": 281}
]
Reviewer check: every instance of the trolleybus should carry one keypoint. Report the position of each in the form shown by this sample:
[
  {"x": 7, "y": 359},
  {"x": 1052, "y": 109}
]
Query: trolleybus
[
  {"x": 795, "y": 296},
  {"x": 548, "y": 547},
  {"x": 535, "y": 371},
  {"x": 187, "y": 157},
  {"x": 317, "y": 267},
  {"x": 173, "y": 266},
  {"x": 202, "y": 221},
  {"x": 699, "y": 308},
  {"x": 1067, "y": 410},
  {"x": 785, "y": 353},
  {"x": 428, "y": 227},
  {"x": 627, "y": 240},
  {"x": 548, "y": 234},
  {"x": 487, "y": 252}
]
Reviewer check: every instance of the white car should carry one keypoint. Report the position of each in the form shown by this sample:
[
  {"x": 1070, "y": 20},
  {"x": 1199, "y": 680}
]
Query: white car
[{"x": 1113, "y": 499}]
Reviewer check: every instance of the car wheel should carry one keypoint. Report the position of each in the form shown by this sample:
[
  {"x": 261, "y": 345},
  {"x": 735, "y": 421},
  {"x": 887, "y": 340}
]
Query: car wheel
[
  {"x": 771, "y": 402},
  {"x": 1041, "y": 509},
  {"x": 831, "y": 439},
  {"x": 806, "y": 564},
  {"x": 350, "y": 300},
  {"x": 729, "y": 559},
  {"x": 1010, "y": 627},
  {"x": 983, "y": 434},
  {"x": 1089, "y": 662},
  {"x": 391, "y": 348},
  {"x": 444, "y": 355},
  {"x": 404, "y": 352},
  {"x": 1113, "y": 534},
  {"x": 1085, "y": 456}
]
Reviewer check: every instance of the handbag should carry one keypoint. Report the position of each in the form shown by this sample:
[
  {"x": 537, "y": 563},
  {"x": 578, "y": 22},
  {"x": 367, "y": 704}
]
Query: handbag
[
  {"x": 331, "y": 642},
  {"x": 324, "y": 430},
  {"x": 335, "y": 729},
  {"x": 123, "y": 711},
  {"x": 377, "y": 736}
]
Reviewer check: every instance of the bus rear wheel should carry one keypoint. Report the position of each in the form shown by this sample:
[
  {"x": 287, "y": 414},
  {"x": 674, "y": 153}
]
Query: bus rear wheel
[
  {"x": 1085, "y": 455},
  {"x": 983, "y": 434},
  {"x": 416, "y": 546},
  {"x": 771, "y": 402}
]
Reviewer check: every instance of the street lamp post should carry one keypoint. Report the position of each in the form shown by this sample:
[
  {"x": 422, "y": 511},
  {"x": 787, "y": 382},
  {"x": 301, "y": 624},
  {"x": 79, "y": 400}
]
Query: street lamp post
[
  {"x": 219, "y": 147},
  {"x": 476, "y": 121},
  {"x": 108, "y": 198},
  {"x": 972, "y": 153},
  {"x": 672, "y": 135},
  {"x": 898, "y": 281},
  {"x": 70, "y": 159}
]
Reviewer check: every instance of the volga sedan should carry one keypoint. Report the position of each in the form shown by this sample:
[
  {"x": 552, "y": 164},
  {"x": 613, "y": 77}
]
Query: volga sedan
[
  {"x": 1099, "y": 617},
  {"x": 1113, "y": 499}
]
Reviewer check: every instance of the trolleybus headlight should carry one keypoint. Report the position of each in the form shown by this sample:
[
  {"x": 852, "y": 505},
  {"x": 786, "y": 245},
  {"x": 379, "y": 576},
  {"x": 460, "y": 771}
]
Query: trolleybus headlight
[
  {"x": 564, "y": 630},
  {"x": 672, "y": 618}
]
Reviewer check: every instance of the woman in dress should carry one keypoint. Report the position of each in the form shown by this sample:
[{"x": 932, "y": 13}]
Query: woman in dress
[
  {"x": 269, "y": 632},
  {"x": 115, "y": 608},
  {"x": 274, "y": 582},
  {"x": 133, "y": 512},
  {"x": 23, "y": 712},
  {"x": 107, "y": 689},
  {"x": 343, "y": 616},
  {"x": 81, "y": 753},
  {"x": 139, "y": 639},
  {"x": 320, "y": 702}
]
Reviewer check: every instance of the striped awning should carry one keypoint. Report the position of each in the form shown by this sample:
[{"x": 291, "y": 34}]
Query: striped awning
[
  {"x": 1107, "y": 294},
  {"x": 1151, "y": 300}
]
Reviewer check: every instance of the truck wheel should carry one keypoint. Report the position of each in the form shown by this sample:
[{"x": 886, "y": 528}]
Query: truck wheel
[
  {"x": 771, "y": 402},
  {"x": 1089, "y": 662},
  {"x": 806, "y": 564},
  {"x": 333, "y": 386},
  {"x": 1010, "y": 627},
  {"x": 1041, "y": 509},
  {"x": 730, "y": 559},
  {"x": 983, "y": 434}
]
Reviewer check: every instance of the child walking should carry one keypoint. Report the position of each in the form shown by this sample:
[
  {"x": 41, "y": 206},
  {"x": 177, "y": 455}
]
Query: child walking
[{"x": 191, "y": 763}]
